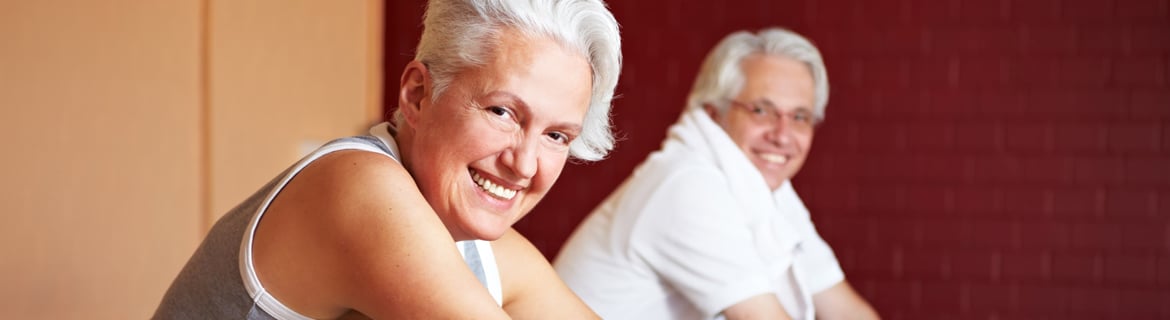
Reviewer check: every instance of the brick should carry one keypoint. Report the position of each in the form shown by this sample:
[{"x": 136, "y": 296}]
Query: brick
[
  {"x": 941, "y": 297},
  {"x": 1149, "y": 102},
  {"x": 1035, "y": 72},
  {"x": 983, "y": 73},
  {"x": 1048, "y": 40},
  {"x": 1140, "y": 303},
  {"x": 991, "y": 297},
  {"x": 882, "y": 200},
  {"x": 1084, "y": 72},
  {"x": 972, "y": 265},
  {"x": 1166, "y": 139},
  {"x": 871, "y": 13},
  {"x": 1135, "y": 137},
  {"x": 1163, "y": 269},
  {"x": 978, "y": 137},
  {"x": 944, "y": 233},
  {"x": 1026, "y": 266},
  {"x": 1144, "y": 73},
  {"x": 1086, "y": 10},
  {"x": 1142, "y": 236},
  {"x": 1141, "y": 10},
  {"x": 886, "y": 42},
  {"x": 1044, "y": 236},
  {"x": 1131, "y": 270},
  {"x": 885, "y": 73},
  {"x": 1094, "y": 236},
  {"x": 1076, "y": 268},
  {"x": 897, "y": 232},
  {"x": 893, "y": 104},
  {"x": 929, "y": 137},
  {"x": 1094, "y": 301},
  {"x": 994, "y": 169},
  {"x": 1131, "y": 203},
  {"x": 931, "y": 201},
  {"x": 900, "y": 295},
  {"x": 925, "y": 264},
  {"x": 1022, "y": 201},
  {"x": 1035, "y": 11},
  {"x": 976, "y": 12},
  {"x": 1148, "y": 170},
  {"x": 999, "y": 104},
  {"x": 1099, "y": 170},
  {"x": 877, "y": 264},
  {"x": 932, "y": 12},
  {"x": 832, "y": 13},
  {"x": 1101, "y": 40},
  {"x": 1090, "y": 137},
  {"x": 1078, "y": 202},
  {"x": 936, "y": 73},
  {"x": 1149, "y": 41},
  {"x": 1043, "y": 299},
  {"x": 977, "y": 201},
  {"x": 994, "y": 234},
  {"x": 1047, "y": 169},
  {"x": 1092, "y": 105},
  {"x": 972, "y": 42},
  {"x": 1163, "y": 203},
  {"x": 832, "y": 196},
  {"x": 1031, "y": 137}
]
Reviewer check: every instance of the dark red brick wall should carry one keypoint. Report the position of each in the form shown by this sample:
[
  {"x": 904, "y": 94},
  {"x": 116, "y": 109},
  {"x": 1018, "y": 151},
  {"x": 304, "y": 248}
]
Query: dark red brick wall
[{"x": 990, "y": 159}]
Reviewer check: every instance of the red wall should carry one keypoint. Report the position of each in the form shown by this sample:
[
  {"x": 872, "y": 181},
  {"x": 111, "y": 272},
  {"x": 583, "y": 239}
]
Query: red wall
[{"x": 981, "y": 159}]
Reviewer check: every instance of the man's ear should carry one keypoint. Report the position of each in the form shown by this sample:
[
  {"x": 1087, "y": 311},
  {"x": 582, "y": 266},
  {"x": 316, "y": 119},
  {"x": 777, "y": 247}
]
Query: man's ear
[
  {"x": 711, "y": 112},
  {"x": 413, "y": 90}
]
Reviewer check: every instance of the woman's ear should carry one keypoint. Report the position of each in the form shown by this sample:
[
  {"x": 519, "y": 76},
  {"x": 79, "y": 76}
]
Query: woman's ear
[{"x": 414, "y": 89}]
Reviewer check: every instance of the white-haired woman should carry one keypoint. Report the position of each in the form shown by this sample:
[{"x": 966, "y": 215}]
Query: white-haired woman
[{"x": 397, "y": 224}]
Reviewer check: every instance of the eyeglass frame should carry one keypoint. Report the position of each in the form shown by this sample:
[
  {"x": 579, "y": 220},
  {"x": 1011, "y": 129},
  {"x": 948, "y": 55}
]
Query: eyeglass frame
[{"x": 773, "y": 115}]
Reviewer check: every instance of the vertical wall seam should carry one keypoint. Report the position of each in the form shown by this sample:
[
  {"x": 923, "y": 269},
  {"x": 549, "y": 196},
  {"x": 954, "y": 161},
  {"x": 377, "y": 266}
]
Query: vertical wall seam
[
  {"x": 375, "y": 60},
  {"x": 205, "y": 117}
]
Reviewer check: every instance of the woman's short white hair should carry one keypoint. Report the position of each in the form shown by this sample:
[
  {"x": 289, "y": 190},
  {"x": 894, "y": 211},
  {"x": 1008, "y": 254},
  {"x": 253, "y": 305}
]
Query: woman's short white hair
[
  {"x": 721, "y": 76},
  {"x": 460, "y": 33}
]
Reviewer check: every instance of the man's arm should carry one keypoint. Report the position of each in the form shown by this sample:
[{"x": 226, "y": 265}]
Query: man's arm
[
  {"x": 841, "y": 302},
  {"x": 531, "y": 289},
  {"x": 764, "y": 306}
]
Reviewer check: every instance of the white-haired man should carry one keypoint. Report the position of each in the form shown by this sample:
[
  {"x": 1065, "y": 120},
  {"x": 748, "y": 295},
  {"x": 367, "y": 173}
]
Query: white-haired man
[{"x": 709, "y": 226}]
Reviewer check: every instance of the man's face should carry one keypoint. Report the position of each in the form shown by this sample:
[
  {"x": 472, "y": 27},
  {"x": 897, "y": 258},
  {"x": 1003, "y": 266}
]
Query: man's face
[{"x": 771, "y": 118}]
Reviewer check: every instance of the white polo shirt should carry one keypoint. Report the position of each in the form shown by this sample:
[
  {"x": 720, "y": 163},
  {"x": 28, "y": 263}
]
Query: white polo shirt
[{"x": 676, "y": 242}]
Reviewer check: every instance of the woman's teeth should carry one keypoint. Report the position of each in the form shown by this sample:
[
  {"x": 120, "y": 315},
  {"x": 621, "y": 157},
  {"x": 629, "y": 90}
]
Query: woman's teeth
[
  {"x": 774, "y": 158},
  {"x": 492, "y": 188}
]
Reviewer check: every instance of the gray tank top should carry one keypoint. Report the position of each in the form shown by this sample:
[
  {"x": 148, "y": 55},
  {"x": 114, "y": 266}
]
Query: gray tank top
[{"x": 219, "y": 281}]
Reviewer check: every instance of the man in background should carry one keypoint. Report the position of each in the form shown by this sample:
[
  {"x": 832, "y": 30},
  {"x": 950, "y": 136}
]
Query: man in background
[{"x": 709, "y": 226}]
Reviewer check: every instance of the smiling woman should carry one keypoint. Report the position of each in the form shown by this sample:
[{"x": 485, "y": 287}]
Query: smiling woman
[
  {"x": 509, "y": 123},
  {"x": 414, "y": 220}
]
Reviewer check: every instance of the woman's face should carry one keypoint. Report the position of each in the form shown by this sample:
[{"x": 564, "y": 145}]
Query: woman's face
[{"x": 488, "y": 149}]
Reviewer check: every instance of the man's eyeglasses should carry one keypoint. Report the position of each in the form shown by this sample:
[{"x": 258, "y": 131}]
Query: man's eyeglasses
[{"x": 800, "y": 119}]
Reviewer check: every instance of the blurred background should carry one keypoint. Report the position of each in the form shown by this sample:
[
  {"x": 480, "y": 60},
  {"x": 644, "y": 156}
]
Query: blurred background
[
  {"x": 132, "y": 125},
  {"x": 1004, "y": 159}
]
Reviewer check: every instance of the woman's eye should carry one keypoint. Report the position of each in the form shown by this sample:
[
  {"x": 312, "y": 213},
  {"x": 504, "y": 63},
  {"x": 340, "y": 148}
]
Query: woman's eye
[
  {"x": 498, "y": 110},
  {"x": 559, "y": 137}
]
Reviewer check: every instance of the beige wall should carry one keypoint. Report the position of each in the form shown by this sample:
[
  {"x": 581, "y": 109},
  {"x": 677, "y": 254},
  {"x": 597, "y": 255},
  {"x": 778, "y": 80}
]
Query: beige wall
[{"x": 131, "y": 124}]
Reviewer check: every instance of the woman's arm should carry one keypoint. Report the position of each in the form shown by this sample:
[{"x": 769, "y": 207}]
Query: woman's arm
[
  {"x": 352, "y": 233},
  {"x": 532, "y": 290}
]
